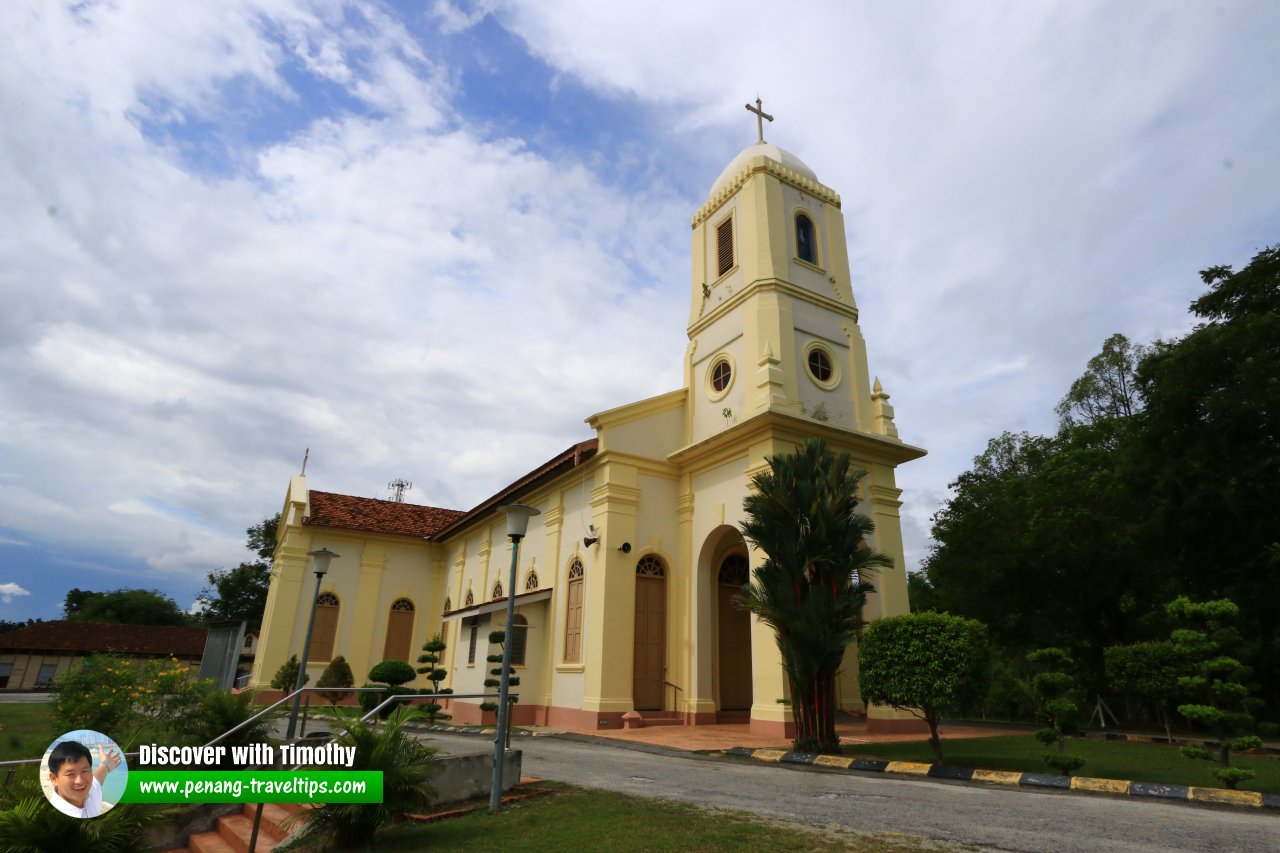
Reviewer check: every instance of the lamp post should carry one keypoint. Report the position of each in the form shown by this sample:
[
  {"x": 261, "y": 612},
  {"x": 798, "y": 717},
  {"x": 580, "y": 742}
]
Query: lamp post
[
  {"x": 320, "y": 560},
  {"x": 518, "y": 516}
]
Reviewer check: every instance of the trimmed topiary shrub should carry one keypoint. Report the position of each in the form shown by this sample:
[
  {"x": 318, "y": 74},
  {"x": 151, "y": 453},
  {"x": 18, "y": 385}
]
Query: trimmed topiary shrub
[
  {"x": 336, "y": 674},
  {"x": 393, "y": 672}
]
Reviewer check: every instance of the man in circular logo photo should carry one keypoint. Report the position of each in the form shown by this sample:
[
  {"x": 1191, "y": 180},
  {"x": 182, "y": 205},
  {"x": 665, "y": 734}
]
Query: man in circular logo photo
[{"x": 78, "y": 765}]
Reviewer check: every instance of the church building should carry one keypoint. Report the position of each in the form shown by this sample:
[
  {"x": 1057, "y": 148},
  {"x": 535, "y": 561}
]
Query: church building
[{"x": 626, "y": 582}]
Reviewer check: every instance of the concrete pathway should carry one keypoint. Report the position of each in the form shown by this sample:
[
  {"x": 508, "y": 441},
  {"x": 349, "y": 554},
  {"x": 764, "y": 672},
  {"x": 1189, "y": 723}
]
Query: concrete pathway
[{"x": 722, "y": 737}]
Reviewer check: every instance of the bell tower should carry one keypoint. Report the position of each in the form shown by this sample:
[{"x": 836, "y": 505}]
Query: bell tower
[{"x": 773, "y": 326}]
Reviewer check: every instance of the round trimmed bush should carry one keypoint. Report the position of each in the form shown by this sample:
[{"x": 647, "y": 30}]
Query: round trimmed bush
[{"x": 394, "y": 672}]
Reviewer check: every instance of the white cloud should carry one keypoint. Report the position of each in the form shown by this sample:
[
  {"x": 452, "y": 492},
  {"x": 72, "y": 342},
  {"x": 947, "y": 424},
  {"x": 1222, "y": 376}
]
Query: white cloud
[
  {"x": 9, "y": 591},
  {"x": 234, "y": 233}
]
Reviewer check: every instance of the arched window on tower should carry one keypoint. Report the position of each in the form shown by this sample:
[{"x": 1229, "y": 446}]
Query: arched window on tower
[{"x": 806, "y": 247}]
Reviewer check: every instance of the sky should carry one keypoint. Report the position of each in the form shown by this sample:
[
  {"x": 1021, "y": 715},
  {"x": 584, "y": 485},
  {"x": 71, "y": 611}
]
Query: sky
[{"x": 425, "y": 240}]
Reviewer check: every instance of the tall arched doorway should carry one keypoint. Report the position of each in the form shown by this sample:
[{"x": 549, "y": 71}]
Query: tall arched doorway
[
  {"x": 650, "y": 661},
  {"x": 735, "y": 634}
]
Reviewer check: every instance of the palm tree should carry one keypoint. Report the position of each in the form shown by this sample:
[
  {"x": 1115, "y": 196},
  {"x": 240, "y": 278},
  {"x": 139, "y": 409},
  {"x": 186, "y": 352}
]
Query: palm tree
[{"x": 812, "y": 585}]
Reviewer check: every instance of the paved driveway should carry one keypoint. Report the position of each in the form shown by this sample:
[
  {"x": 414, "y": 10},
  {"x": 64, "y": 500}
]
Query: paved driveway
[{"x": 1005, "y": 819}]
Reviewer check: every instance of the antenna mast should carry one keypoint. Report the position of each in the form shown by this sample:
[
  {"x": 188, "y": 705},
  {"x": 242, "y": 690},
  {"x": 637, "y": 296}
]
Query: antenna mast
[{"x": 398, "y": 487}]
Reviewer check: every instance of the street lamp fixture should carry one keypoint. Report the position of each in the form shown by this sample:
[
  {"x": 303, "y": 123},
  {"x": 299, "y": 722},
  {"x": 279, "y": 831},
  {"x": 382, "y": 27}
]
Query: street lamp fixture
[
  {"x": 518, "y": 516},
  {"x": 320, "y": 565}
]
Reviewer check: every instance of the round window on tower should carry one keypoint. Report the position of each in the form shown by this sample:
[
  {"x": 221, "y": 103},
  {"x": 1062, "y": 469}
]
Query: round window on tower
[
  {"x": 821, "y": 364},
  {"x": 719, "y": 377}
]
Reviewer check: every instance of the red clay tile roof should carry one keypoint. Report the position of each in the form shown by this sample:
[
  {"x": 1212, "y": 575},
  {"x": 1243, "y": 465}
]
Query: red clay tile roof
[
  {"x": 374, "y": 516},
  {"x": 66, "y": 636}
]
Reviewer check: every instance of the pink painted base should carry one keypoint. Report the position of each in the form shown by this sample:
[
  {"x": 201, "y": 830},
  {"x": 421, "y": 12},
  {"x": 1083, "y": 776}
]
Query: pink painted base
[{"x": 773, "y": 729}]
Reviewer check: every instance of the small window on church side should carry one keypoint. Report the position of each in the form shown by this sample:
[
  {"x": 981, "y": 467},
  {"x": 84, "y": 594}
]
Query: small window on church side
[
  {"x": 472, "y": 639},
  {"x": 573, "y": 615},
  {"x": 806, "y": 250},
  {"x": 724, "y": 246},
  {"x": 519, "y": 639},
  {"x": 721, "y": 375},
  {"x": 325, "y": 628}
]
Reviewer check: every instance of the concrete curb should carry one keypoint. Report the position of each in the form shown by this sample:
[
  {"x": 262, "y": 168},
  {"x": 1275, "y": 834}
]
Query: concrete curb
[
  {"x": 1164, "y": 741},
  {"x": 1085, "y": 784}
]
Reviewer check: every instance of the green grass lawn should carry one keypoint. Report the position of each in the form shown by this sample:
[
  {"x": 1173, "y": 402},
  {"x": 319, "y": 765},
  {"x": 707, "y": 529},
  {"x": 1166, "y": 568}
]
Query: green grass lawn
[
  {"x": 579, "y": 820},
  {"x": 26, "y": 730},
  {"x": 1140, "y": 762}
]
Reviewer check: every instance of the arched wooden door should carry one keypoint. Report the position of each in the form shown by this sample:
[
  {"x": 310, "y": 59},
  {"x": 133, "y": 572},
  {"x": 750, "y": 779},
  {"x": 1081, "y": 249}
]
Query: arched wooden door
[
  {"x": 735, "y": 636},
  {"x": 649, "y": 664}
]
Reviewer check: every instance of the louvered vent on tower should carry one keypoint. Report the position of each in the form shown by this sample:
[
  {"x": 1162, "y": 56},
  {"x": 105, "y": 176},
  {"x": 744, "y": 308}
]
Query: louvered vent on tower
[{"x": 724, "y": 245}]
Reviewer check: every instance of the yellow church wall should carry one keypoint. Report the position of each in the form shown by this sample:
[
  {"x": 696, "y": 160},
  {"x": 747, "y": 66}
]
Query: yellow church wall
[{"x": 708, "y": 406}]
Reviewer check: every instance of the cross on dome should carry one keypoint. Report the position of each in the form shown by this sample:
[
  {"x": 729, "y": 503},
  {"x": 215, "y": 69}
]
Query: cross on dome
[{"x": 761, "y": 115}]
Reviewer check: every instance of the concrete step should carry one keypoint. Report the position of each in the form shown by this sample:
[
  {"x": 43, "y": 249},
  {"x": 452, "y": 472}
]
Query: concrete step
[
  {"x": 209, "y": 842},
  {"x": 662, "y": 721},
  {"x": 236, "y": 829},
  {"x": 273, "y": 815}
]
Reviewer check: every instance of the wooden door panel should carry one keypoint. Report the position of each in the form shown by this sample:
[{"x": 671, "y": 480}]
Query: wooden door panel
[
  {"x": 650, "y": 643},
  {"x": 735, "y": 652}
]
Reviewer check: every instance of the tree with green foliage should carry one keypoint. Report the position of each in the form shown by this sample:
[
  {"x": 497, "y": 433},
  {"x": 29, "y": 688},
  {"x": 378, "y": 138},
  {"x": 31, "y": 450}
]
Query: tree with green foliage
[
  {"x": 813, "y": 582},
  {"x": 241, "y": 592},
  {"x": 494, "y": 681},
  {"x": 336, "y": 674},
  {"x": 1108, "y": 389},
  {"x": 924, "y": 663},
  {"x": 432, "y": 654},
  {"x": 1214, "y": 682},
  {"x": 123, "y": 695},
  {"x": 7, "y": 625},
  {"x": 1148, "y": 672},
  {"x": 1045, "y": 542},
  {"x": 29, "y": 825},
  {"x": 1165, "y": 462},
  {"x": 1055, "y": 692},
  {"x": 406, "y": 765},
  {"x": 1211, "y": 424},
  {"x": 394, "y": 674},
  {"x": 287, "y": 676},
  {"x": 124, "y": 607}
]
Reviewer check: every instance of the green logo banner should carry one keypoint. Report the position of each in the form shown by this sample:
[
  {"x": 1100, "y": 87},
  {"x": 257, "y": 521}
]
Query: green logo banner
[{"x": 253, "y": 786}]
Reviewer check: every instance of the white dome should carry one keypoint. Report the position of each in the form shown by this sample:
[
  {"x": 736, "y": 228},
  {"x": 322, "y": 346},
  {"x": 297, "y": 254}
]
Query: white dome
[{"x": 761, "y": 149}]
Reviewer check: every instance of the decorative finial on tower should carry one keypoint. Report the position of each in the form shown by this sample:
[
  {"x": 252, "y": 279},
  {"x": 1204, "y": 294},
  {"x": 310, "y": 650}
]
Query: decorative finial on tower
[
  {"x": 761, "y": 115},
  {"x": 882, "y": 412}
]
